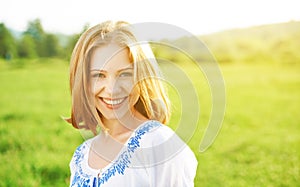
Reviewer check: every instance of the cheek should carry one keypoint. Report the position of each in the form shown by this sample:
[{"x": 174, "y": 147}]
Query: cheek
[
  {"x": 134, "y": 95},
  {"x": 95, "y": 87},
  {"x": 126, "y": 85}
]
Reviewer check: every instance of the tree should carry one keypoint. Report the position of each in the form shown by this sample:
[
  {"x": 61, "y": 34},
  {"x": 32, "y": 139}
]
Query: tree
[
  {"x": 36, "y": 31},
  {"x": 46, "y": 45},
  {"x": 72, "y": 40},
  {"x": 26, "y": 47},
  {"x": 7, "y": 43},
  {"x": 51, "y": 45}
]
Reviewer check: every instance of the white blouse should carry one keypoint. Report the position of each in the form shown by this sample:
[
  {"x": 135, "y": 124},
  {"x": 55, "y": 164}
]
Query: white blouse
[{"x": 154, "y": 156}]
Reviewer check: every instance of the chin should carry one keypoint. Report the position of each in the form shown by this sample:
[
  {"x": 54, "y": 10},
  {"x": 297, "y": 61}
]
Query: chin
[{"x": 115, "y": 114}]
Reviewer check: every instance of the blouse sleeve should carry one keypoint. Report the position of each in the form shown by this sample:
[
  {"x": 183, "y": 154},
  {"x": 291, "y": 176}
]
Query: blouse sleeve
[
  {"x": 171, "y": 162},
  {"x": 179, "y": 171}
]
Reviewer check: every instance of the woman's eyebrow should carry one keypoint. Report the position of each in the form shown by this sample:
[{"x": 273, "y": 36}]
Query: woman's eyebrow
[
  {"x": 119, "y": 70},
  {"x": 124, "y": 69},
  {"x": 101, "y": 70}
]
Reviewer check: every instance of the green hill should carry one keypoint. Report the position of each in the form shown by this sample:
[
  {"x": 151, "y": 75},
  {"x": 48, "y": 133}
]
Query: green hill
[{"x": 274, "y": 43}]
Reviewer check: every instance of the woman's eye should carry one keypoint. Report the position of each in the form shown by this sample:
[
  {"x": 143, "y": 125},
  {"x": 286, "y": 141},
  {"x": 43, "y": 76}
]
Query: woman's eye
[
  {"x": 98, "y": 75},
  {"x": 126, "y": 74}
]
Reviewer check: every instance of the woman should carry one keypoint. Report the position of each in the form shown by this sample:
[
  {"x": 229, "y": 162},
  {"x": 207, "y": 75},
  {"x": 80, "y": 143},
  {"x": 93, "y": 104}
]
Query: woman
[{"x": 116, "y": 85}]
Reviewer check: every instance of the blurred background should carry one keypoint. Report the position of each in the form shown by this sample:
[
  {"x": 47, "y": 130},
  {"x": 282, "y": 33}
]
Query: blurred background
[{"x": 255, "y": 43}]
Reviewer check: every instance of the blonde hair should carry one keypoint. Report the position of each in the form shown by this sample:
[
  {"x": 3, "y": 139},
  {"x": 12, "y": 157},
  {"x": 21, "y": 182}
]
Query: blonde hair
[{"x": 153, "y": 102}]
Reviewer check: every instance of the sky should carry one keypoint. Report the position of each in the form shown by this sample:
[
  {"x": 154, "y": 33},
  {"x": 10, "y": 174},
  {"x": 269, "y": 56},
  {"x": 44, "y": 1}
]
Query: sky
[{"x": 195, "y": 16}]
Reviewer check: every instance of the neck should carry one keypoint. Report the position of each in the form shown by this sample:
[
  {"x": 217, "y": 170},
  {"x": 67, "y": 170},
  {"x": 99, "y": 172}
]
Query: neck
[{"x": 126, "y": 124}]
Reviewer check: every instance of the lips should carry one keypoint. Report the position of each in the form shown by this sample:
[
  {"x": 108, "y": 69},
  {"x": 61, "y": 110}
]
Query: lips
[{"x": 113, "y": 103}]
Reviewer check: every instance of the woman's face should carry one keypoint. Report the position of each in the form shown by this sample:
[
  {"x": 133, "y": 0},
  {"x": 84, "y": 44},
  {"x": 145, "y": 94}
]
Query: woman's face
[{"x": 112, "y": 81}]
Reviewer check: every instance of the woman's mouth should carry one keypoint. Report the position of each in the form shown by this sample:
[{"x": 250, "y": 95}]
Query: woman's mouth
[{"x": 113, "y": 103}]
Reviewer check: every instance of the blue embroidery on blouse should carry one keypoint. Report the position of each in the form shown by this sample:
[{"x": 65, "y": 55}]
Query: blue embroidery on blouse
[{"x": 118, "y": 167}]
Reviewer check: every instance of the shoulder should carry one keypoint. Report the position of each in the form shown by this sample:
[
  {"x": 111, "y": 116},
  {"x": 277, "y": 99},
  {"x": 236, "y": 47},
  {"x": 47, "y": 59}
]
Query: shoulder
[
  {"x": 167, "y": 156},
  {"x": 80, "y": 152},
  {"x": 83, "y": 146},
  {"x": 158, "y": 134},
  {"x": 162, "y": 143}
]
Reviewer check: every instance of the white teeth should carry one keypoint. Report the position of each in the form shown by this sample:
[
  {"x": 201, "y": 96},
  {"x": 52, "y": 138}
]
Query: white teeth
[{"x": 113, "y": 102}]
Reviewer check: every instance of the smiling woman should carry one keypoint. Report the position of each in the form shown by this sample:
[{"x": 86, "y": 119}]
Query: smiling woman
[
  {"x": 116, "y": 85},
  {"x": 112, "y": 83}
]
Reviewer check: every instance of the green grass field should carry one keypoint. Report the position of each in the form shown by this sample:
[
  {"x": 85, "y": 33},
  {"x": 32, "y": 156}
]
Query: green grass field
[{"x": 258, "y": 145}]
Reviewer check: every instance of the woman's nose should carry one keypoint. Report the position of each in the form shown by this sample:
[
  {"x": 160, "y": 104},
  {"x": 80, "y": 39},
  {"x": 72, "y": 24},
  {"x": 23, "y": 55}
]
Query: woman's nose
[{"x": 109, "y": 86}]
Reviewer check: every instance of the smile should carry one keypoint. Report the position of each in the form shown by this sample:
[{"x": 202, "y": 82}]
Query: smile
[{"x": 112, "y": 103}]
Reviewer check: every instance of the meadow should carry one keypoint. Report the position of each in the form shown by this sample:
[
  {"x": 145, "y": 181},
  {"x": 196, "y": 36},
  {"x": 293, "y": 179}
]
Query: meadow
[{"x": 258, "y": 144}]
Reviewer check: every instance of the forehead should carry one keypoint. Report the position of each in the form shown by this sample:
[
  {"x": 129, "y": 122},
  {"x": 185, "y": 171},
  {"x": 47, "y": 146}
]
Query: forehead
[{"x": 110, "y": 57}]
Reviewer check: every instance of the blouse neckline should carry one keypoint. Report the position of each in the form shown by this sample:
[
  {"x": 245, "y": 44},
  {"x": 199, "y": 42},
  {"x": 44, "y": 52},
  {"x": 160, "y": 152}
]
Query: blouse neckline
[{"x": 129, "y": 146}]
